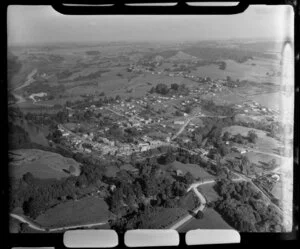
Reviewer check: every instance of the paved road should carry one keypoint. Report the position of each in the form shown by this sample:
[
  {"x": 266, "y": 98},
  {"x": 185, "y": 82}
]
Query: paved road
[
  {"x": 115, "y": 112},
  {"x": 245, "y": 178},
  {"x": 183, "y": 127},
  {"x": 201, "y": 207},
  {"x": 257, "y": 188},
  {"x": 40, "y": 228},
  {"x": 194, "y": 187},
  {"x": 25, "y": 220},
  {"x": 189, "y": 119}
]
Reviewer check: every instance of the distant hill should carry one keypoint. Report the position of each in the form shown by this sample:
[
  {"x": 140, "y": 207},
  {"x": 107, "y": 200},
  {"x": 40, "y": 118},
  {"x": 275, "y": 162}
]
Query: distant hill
[
  {"x": 182, "y": 56},
  {"x": 218, "y": 53}
]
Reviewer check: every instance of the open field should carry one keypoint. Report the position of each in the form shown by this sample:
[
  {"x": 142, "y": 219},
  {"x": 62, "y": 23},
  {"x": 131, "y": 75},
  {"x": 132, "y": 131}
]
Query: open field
[
  {"x": 209, "y": 193},
  {"x": 264, "y": 143},
  {"x": 166, "y": 217},
  {"x": 254, "y": 70},
  {"x": 261, "y": 159},
  {"x": 211, "y": 220},
  {"x": 276, "y": 101},
  {"x": 250, "y": 118},
  {"x": 84, "y": 211},
  {"x": 189, "y": 201},
  {"x": 194, "y": 169},
  {"x": 41, "y": 164}
]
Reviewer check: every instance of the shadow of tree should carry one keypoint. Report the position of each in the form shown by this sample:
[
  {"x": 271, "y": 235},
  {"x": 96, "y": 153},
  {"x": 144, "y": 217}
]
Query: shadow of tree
[{"x": 191, "y": 212}]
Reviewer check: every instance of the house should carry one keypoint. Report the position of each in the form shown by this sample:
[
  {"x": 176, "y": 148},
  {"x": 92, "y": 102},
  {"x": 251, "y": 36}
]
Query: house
[
  {"x": 186, "y": 140},
  {"x": 240, "y": 150},
  {"x": 275, "y": 177},
  {"x": 112, "y": 187},
  {"x": 179, "y": 122},
  {"x": 179, "y": 172},
  {"x": 87, "y": 150},
  {"x": 64, "y": 134},
  {"x": 144, "y": 148},
  {"x": 203, "y": 152}
]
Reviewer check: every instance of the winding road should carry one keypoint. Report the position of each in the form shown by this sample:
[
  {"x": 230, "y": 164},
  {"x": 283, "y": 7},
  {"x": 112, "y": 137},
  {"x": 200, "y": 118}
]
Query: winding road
[
  {"x": 40, "y": 228},
  {"x": 194, "y": 187},
  {"x": 201, "y": 207}
]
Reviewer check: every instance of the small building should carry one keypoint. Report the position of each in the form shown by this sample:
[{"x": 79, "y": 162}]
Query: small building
[
  {"x": 179, "y": 172},
  {"x": 144, "y": 148},
  {"x": 275, "y": 177},
  {"x": 186, "y": 140},
  {"x": 64, "y": 134},
  {"x": 112, "y": 187},
  {"x": 178, "y": 122}
]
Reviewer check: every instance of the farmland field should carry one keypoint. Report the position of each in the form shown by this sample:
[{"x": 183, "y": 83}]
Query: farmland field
[
  {"x": 261, "y": 159},
  {"x": 194, "y": 169},
  {"x": 209, "y": 193},
  {"x": 264, "y": 143},
  {"x": 211, "y": 220},
  {"x": 41, "y": 164},
  {"x": 166, "y": 217},
  {"x": 135, "y": 116},
  {"x": 84, "y": 211},
  {"x": 254, "y": 70}
]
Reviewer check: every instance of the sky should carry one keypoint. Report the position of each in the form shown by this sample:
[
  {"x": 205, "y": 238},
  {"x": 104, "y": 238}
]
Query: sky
[{"x": 42, "y": 24}]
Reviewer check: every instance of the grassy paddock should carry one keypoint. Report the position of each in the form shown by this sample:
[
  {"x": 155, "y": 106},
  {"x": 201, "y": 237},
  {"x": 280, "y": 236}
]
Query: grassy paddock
[
  {"x": 194, "y": 169},
  {"x": 208, "y": 191},
  {"x": 84, "y": 211},
  {"x": 211, "y": 220},
  {"x": 42, "y": 164}
]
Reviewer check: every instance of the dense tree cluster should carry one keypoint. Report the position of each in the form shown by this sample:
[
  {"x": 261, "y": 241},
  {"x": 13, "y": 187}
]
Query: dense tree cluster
[
  {"x": 243, "y": 208},
  {"x": 175, "y": 88},
  {"x": 242, "y": 165},
  {"x": 35, "y": 195},
  {"x": 18, "y": 138},
  {"x": 240, "y": 139},
  {"x": 222, "y": 110},
  {"x": 151, "y": 189}
]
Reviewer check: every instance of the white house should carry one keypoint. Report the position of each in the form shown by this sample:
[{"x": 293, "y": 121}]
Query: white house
[{"x": 178, "y": 122}]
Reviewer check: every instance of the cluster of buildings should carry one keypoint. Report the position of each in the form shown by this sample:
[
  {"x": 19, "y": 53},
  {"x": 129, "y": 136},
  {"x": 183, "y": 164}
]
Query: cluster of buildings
[
  {"x": 87, "y": 143},
  {"x": 253, "y": 106}
]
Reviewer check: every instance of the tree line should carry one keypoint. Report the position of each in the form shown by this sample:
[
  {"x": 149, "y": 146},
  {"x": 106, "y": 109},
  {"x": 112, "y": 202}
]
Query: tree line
[{"x": 242, "y": 207}]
